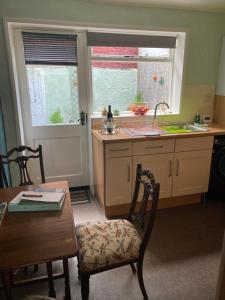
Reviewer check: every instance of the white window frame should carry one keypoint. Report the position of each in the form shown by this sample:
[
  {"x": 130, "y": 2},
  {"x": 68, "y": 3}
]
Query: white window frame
[
  {"x": 176, "y": 57},
  {"x": 179, "y": 58}
]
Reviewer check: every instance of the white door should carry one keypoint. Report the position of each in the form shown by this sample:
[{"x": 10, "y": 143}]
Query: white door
[
  {"x": 191, "y": 172},
  {"x": 162, "y": 167},
  {"x": 51, "y": 99}
]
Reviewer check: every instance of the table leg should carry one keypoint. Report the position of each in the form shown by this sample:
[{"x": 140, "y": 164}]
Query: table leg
[
  {"x": 7, "y": 284},
  {"x": 67, "y": 279},
  {"x": 52, "y": 292}
]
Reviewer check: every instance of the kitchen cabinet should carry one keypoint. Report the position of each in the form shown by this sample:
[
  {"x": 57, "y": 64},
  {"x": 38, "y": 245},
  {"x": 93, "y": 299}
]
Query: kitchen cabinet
[
  {"x": 118, "y": 180},
  {"x": 191, "y": 172},
  {"x": 162, "y": 167},
  {"x": 181, "y": 166}
]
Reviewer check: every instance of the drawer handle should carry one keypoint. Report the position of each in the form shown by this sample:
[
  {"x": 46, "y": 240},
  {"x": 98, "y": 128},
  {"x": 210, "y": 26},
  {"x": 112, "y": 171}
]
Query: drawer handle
[
  {"x": 122, "y": 149},
  {"x": 154, "y": 147}
]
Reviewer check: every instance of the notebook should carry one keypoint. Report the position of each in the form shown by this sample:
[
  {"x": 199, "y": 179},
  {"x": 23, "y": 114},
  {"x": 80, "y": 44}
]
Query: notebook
[{"x": 37, "y": 201}]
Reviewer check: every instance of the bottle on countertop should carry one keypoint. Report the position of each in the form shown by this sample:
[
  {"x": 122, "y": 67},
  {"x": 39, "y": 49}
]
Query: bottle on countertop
[{"x": 109, "y": 114}]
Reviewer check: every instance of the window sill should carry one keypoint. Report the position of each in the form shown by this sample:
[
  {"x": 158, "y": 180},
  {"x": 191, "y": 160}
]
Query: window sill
[{"x": 132, "y": 115}]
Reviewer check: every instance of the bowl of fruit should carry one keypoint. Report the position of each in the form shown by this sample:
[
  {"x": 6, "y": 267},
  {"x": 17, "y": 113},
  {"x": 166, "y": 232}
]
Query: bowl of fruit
[
  {"x": 141, "y": 110},
  {"x": 138, "y": 107}
]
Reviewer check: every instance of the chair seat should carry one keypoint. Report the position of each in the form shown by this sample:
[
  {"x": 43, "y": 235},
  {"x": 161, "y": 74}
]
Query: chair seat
[{"x": 103, "y": 244}]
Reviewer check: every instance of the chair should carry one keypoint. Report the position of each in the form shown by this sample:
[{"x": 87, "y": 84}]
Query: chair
[
  {"x": 17, "y": 156},
  {"x": 2, "y": 173},
  {"x": 115, "y": 243}
]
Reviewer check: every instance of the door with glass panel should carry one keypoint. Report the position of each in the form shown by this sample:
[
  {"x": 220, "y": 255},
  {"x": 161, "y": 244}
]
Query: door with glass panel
[{"x": 53, "y": 97}]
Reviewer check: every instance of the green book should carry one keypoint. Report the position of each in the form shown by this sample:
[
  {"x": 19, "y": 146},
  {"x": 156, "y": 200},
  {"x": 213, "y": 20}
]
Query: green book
[{"x": 37, "y": 201}]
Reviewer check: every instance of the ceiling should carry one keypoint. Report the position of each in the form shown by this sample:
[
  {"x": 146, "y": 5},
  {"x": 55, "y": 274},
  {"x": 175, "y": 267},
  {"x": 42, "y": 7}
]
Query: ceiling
[{"x": 200, "y": 5}]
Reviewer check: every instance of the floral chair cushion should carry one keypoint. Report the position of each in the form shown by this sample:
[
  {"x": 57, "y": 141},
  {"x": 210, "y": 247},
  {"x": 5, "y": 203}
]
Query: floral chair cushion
[{"x": 103, "y": 244}]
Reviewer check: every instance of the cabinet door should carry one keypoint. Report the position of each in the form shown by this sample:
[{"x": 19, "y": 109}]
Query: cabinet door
[
  {"x": 162, "y": 167},
  {"x": 118, "y": 175},
  {"x": 191, "y": 172}
]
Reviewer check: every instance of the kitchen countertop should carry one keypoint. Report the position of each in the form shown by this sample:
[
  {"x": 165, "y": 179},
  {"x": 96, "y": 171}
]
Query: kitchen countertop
[{"x": 122, "y": 136}]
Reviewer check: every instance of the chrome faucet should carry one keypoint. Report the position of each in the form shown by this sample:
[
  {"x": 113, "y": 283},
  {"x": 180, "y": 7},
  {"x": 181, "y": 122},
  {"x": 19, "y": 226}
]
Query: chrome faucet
[{"x": 155, "y": 114}]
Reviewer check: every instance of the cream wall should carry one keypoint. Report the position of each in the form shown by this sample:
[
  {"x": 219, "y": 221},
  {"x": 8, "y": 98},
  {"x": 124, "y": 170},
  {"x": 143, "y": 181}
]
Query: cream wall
[{"x": 204, "y": 42}]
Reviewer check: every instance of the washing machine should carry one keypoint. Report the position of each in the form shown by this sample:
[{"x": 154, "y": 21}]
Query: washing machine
[{"x": 216, "y": 190}]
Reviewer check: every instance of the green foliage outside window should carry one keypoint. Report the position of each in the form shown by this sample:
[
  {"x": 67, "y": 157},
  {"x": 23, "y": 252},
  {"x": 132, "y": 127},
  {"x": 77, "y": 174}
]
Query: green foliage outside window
[{"x": 56, "y": 117}]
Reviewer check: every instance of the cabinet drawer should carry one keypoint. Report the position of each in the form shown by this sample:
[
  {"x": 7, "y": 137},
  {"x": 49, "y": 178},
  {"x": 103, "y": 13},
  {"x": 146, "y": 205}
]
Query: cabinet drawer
[
  {"x": 153, "y": 147},
  {"x": 118, "y": 149},
  {"x": 191, "y": 144}
]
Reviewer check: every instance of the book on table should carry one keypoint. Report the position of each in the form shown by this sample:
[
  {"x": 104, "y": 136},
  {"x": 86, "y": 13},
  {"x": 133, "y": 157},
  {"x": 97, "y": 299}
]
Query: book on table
[{"x": 38, "y": 200}]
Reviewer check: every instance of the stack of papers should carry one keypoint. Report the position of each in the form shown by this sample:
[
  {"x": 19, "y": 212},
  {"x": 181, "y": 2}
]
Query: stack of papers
[{"x": 37, "y": 201}]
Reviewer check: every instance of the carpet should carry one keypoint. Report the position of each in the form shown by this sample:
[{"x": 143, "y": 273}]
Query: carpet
[{"x": 181, "y": 261}]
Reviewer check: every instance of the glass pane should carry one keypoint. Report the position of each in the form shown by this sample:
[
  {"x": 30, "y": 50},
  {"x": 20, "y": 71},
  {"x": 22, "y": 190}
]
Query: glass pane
[
  {"x": 154, "y": 81},
  {"x": 53, "y": 94},
  {"x": 114, "y": 83},
  {"x": 154, "y": 52},
  {"x": 131, "y": 51},
  {"x": 118, "y": 83}
]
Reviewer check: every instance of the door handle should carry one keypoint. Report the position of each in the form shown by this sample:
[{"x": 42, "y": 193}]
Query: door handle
[
  {"x": 177, "y": 167},
  {"x": 128, "y": 179},
  {"x": 170, "y": 168},
  {"x": 83, "y": 118}
]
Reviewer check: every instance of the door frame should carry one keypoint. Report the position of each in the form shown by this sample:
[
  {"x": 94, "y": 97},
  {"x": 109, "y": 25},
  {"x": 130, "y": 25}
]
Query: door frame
[{"x": 18, "y": 74}]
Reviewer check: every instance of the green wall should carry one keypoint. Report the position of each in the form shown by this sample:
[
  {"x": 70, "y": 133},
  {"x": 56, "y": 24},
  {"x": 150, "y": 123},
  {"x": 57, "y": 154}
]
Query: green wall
[{"x": 205, "y": 36}]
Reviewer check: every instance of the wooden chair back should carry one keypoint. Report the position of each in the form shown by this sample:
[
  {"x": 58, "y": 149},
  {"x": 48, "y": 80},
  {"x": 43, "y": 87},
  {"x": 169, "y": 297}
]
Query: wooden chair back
[
  {"x": 139, "y": 215},
  {"x": 3, "y": 178},
  {"x": 21, "y": 155}
]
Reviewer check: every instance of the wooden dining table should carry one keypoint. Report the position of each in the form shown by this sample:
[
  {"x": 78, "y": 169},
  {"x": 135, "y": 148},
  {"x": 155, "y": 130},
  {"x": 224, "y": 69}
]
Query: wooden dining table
[{"x": 32, "y": 238}]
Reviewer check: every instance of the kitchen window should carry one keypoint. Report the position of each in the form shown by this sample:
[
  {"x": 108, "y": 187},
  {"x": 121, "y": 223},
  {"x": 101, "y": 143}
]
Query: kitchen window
[{"x": 128, "y": 69}]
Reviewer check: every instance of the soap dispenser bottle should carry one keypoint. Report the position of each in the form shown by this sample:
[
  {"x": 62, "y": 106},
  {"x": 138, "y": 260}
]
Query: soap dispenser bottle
[{"x": 197, "y": 119}]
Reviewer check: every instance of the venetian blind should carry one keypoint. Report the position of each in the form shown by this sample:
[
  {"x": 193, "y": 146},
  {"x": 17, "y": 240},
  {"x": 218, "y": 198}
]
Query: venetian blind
[{"x": 50, "y": 49}]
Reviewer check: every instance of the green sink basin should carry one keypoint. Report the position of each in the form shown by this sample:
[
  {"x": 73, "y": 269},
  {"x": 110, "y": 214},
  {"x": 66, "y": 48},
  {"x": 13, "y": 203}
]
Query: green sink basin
[
  {"x": 176, "y": 129},
  {"x": 187, "y": 128}
]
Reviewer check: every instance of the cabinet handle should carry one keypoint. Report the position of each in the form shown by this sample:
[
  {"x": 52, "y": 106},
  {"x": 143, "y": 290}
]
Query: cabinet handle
[
  {"x": 177, "y": 168},
  {"x": 170, "y": 168},
  {"x": 154, "y": 147},
  {"x": 128, "y": 173},
  {"x": 122, "y": 149}
]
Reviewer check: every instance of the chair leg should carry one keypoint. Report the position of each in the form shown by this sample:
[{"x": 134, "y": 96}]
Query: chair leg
[
  {"x": 36, "y": 268},
  {"x": 133, "y": 268},
  {"x": 140, "y": 279},
  {"x": 52, "y": 292},
  {"x": 79, "y": 277},
  {"x": 85, "y": 287}
]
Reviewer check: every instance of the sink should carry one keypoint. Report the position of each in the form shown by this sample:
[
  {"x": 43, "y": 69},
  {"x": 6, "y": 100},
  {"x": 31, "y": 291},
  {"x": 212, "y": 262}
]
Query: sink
[
  {"x": 183, "y": 128},
  {"x": 176, "y": 129},
  {"x": 161, "y": 130}
]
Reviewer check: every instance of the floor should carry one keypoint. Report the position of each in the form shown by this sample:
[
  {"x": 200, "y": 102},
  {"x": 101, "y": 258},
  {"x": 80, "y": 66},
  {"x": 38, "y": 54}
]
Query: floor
[{"x": 181, "y": 262}]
